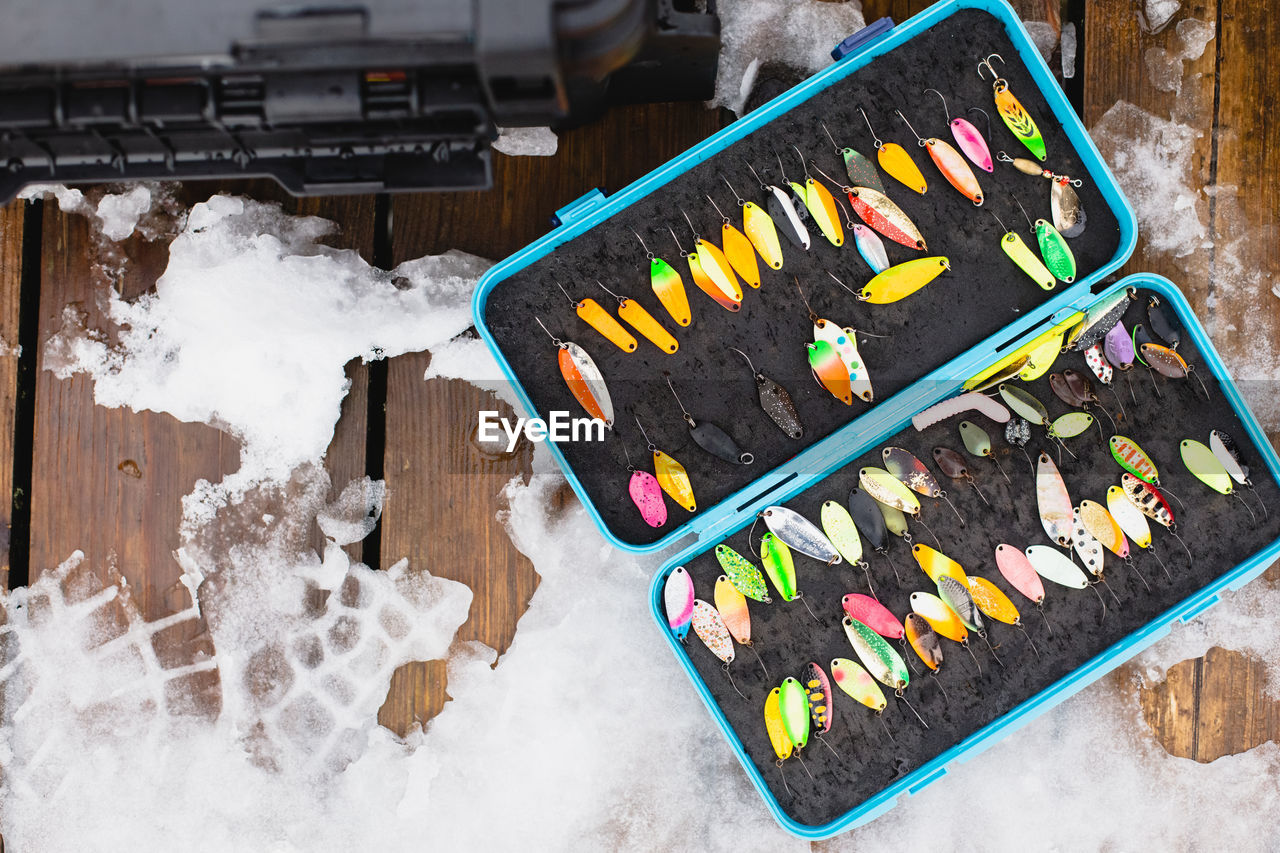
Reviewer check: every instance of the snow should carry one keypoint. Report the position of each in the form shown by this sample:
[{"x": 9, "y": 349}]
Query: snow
[
  {"x": 1158, "y": 14},
  {"x": 526, "y": 141},
  {"x": 798, "y": 34},
  {"x": 116, "y": 215}
]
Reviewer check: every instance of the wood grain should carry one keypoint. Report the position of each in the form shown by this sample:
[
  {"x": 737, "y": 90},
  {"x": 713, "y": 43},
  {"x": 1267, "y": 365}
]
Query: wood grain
[
  {"x": 12, "y": 219},
  {"x": 442, "y": 494},
  {"x": 110, "y": 481}
]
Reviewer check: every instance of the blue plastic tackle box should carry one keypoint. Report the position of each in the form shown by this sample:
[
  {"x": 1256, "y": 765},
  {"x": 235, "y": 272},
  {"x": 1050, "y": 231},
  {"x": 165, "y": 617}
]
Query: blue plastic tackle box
[{"x": 981, "y": 316}]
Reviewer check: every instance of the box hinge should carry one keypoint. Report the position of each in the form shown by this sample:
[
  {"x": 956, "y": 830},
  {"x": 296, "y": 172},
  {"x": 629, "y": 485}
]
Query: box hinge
[
  {"x": 578, "y": 208},
  {"x": 863, "y": 37}
]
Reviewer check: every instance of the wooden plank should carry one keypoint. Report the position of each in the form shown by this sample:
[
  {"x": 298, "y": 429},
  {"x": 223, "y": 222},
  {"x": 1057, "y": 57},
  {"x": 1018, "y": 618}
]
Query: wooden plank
[
  {"x": 110, "y": 481},
  {"x": 1171, "y": 708},
  {"x": 12, "y": 219},
  {"x": 1116, "y": 70},
  {"x": 433, "y": 470}
]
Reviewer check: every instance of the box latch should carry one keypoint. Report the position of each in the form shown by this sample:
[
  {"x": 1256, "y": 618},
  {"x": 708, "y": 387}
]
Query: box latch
[
  {"x": 861, "y": 38},
  {"x": 578, "y": 208},
  {"x": 1199, "y": 607}
]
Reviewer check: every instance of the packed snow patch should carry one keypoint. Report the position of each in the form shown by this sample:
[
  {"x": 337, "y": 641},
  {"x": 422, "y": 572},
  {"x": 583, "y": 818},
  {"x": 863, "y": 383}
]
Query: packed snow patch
[
  {"x": 526, "y": 141},
  {"x": 252, "y": 323}
]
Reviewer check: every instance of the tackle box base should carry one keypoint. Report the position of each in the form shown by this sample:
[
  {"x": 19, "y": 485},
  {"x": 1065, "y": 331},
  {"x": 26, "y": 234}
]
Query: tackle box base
[{"x": 983, "y": 313}]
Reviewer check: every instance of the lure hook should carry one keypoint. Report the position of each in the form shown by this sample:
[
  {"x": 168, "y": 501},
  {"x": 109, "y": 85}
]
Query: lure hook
[
  {"x": 823, "y": 741},
  {"x": 838, "y": 149},
  {"x": 554, "y": 339},
  {"x": 620, "y": 299},
  {"x": 1024, "y": 211},
  {"x": 652, "y": 446},
  {"x": 934, "y": 675},
  {"x": 627, "y": 456},
  {"x": 892, "y": 565},
  {"x": 1103, "y": 581},
  {"x": 1238, "y": 497},
  {"x": 751, "y": 645},
  {"x": 803, "y": 165},
  {"x": 1000, "y": 468},
  {"x": 734, "y": 685},
  {"x": 866, "y": 570},
  {"x": 781, "y": 169},
  {"x": 718, "y": 210},
  {"x": 683, "y": 253},
  {"x": 763, "y": 185},
  {"x": 919, "y": 139},
  {"x": 969, "y": 649},
  {"x": 848, "y": 217},
  {"x": 945, "y": 109},
  {"x": 813, "y": 318},
  {"x": 974, "y": 483},
  {"x": 936, "y": 541},
  {"x": 688, "y": 418},
  {"x": 1040, "y": 607},
  {"x": 748, "y": 358},
  {"x": 1131, "y": 564},
  {"x": 800, "y": 595},
  {"x": 988, "y": 118},
  {"x": 751, "y": 539},
  {"x": 1192, "y": 371},
  {"x": 843, "y": 186},
  {"x": 575, "y": 303},
  {"x": 990, "y": 648},
  {"x": 943, "y": 495},
  {"x": 648, "y": 254},
  {"x": 1027, "y": 637},
  {"x": 880, "y": 716},
  {"x": 783, "y": 774},
  {"x": 696, "y": 235},
  {"x": 875, "y": 139},
  {"x": 841, "y": 283},
  {"x": 741, "y": 201},
  {"x": 1094, "y": 586},
  {"x": 998, "y": 219},
  {"x": 903, "y": 700},
  {"x": 805, "y": 766},
  {"x": 986, "y": 63}
]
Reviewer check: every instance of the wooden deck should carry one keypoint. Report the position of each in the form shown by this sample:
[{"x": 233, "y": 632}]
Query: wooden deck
[{"x": 108, "y": 481}]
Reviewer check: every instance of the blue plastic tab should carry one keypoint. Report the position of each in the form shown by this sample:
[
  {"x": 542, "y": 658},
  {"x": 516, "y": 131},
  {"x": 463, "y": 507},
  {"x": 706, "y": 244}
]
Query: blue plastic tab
[
  {"x": 578, "y": 208},
  {"x": 864, "y": 36},
  {"x": 927, "y": 781},
  {"x": 1199, "y": 607}
]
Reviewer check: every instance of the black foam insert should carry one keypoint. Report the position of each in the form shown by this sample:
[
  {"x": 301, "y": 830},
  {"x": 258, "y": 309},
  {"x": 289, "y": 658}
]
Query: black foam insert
[
  {"x": 1217, "y": 529},
  {"x": 981, "y": 294}
]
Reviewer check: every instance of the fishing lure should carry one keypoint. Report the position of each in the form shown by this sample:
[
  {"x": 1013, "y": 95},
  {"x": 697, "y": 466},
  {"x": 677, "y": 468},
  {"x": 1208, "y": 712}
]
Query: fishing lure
[
  {"x": 1070, "y": 425},
  {"x": 902, "y": 280},
  {"x": 677, "y": 598},
  {"x": 643, "y": 322},
  {"x": 738, "y": 250},
  {"x": 710, "y": 437},
  {"x": 1167, "y": 362},
  {"x": 734, "y": 613},
  {"x": 956, "y": 596},
  {"x": 667, "y": 286},
  {"x": 645, "y": 493},
  {"x": 1103, "y": 527},
  {"x": 1228, "y": 452},
  {"x": 1053, "y": 565},
  {"x": 1016, "y": 568},
  {"x": 894, "y": 521},
  {"x": 1118, "y": 347},
  {"x": 1140, "y": 337},
  {"x": 867, "y": 518},
  {"x": 873, "y": 614},
  {"x": 710, "y": 269},
  {"x": 784, "y": 213},
  {"x": 1064, "y": 392},
  {"x": 775, "y": 401},
  {"x": 800, "y": 533},
  {"x": 672, "y": 476},
  {"x": 782, "y": 745},
  {"x": 1080, "y": 388},
  {"x": 888, "y": 490},
  {"x": 1086, "y": 546},
  {"x": 759, "y": 228},
  {"x": 871, "y": 248},
  {"x": 968, "y": 137},
  {"x": 880, "y": 659},
  {"x": 845, "y": 343},
  {"x": 942, "y": 620},
  {"x": 949, "y": 162},
  {"x": 819, "y": 202},
  {"x": 861, "y": 172},
  {"x": 594, "y": 315},
  {"x": 1015, "y": 116},
  {"x": 1099, "y": 318},
  {"x": 1024, "y": 404},
  {"x": 830, "y": 371},
  {"x": 817, "y": 692},
  {"x": 711, "y": 630},
  {"x": 795, "y": 712},
  {"x": 895, "y": 160},
  {"x": 966, "y": 402},
  {"x": 1017, "y": 433},
  {"x": 978, "y": 443},
  {"x": 1068, "y": 213},
  {"x": 1134, "y": 459},
  {"x": 924, "y": 640},
  {"x": 903, "y": 465},
  {"x": 1020, "y": 253},
  {"x": 585, "y": 381},
  {"x": 1208, "y": 469},
  {"x": 743, "y": 574},
  {"x": 952, "y": 464},
  {"x": 1053, "y": 501},
  {"x": 877, "y": 210},
  {"x": 779, "y": 566},
  {"x": 983, "y": 382},
  {"x": 839, "y": 527},
  {"x": 938, "y": 565},
  {"x": 1161, "y": 323},
  {"x": 994, "y": 604},
  {"x": 1147, "y": 498},
  {"x": 855, "y": 681},
  {"x": 1133, "y": 521},
  {"x": 1057, "y": 255}
]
